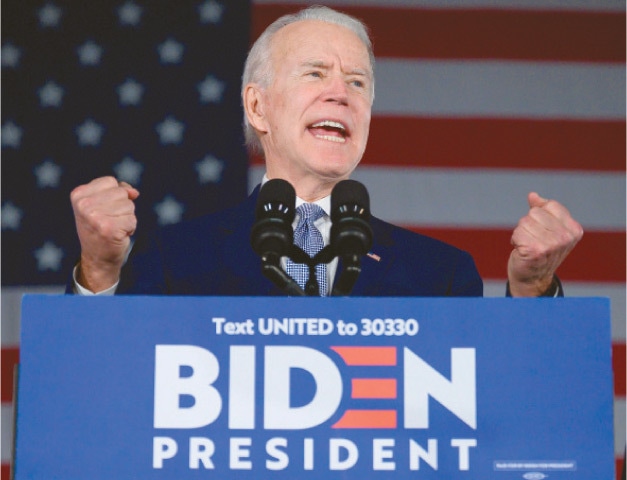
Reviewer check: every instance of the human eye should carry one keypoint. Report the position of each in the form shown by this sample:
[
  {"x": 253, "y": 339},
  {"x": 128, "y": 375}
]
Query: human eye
[{"x": 358, "y": 83}]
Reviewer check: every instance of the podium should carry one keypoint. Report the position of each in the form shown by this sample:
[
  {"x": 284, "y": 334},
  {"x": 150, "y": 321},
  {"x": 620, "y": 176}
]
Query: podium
[{"x": 313, "y": 388}]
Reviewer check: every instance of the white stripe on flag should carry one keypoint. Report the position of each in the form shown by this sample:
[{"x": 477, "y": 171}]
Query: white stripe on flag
[
  {"x": 490, "y": 198},
  {"x": 502, "y": 89},
  {"x": 486, "y": 198}
]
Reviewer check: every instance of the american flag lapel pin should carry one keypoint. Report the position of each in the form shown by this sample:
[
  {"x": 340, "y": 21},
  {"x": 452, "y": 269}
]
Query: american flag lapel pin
[{"x": 374, "y": 256}]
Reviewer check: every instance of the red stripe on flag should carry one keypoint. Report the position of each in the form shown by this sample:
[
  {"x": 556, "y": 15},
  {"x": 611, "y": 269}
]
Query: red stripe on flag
[
  {"x": 481, "y": 34},
  {"x": 496, "y": 143},
  {"x": 598, "y": 257},
  {"x": 10, "y": 357},
  {"x": 618, "y": 364}
]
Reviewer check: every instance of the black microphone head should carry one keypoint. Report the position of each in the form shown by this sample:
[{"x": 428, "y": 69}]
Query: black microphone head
[
  {"x": 351, "y": 233},
  {"x": 350, "y": 192},
  {"x": 276, "y": 197},
  {"x": 272, "y": 232}
]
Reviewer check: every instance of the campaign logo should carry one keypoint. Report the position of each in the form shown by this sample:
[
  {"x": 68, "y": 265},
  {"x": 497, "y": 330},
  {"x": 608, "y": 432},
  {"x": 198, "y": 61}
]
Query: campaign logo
[
  {"x": 421, "y": 381},
  {"x": 187, "y": 397}
]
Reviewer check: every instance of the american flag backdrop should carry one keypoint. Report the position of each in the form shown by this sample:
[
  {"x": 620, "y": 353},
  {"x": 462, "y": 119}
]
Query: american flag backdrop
[{"x": 477, "y": 103}]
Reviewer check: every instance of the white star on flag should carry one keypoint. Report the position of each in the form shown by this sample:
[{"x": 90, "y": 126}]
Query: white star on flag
[
  {"x": 169, "y": 211},
  {"x": 10, "y": 55},
  {"x": 49, "y": 257},
  {"x": 11, "y": 216},
  {"x": 89, "y": 53},
  {"x": 211, "y": 90},
  {"x": 49, "y": 15},
  {"x": 170, "y": 51},
  {"x": 170, "y": 131},
  {"x": 50, "y": 95},
  {"x": 130, "y": 14},
  {"x": 210, "y": 12},
  {"x": 87, "y": 93},
  {"x": 11, "y": 135},
  {"x": 209, "y": 169},
  {"x": 89, "y": 133},
  {"x": 130, "y": 92},
  {"x": 48, "y": 174},
  {"x": 129, "y": 171}
]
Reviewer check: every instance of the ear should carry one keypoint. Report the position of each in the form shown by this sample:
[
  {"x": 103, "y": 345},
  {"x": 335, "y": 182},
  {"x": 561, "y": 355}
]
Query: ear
[{"x": 254, "y": 107}]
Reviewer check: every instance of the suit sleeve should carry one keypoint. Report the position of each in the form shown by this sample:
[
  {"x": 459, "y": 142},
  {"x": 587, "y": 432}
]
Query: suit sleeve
[
  {"x": 465, "y": 281},
  {"x": 143, "y": 273}
]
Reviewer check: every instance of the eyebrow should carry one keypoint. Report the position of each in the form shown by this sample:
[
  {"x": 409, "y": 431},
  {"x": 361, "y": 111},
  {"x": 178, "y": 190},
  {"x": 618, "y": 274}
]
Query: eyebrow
[
  {"x": 325, "y": 66},
  {"x": 314, "y": 63}
]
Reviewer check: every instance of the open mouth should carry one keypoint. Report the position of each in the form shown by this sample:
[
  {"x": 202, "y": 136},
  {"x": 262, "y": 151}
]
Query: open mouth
[{"x": 329, "y": 130}]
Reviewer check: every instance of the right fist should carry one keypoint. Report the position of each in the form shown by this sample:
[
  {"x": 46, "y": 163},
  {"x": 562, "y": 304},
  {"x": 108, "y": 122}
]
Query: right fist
[{"x": 104, "y": 212}]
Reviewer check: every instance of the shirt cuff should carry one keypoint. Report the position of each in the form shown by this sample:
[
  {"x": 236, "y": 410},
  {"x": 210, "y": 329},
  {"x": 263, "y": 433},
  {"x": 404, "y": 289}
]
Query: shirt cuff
[
  {"x": 80, "y": 290},
  {"x": 555, "y": 290}
]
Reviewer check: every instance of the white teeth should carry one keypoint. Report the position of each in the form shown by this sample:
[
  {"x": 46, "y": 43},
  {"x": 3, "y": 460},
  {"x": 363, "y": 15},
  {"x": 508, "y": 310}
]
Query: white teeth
[
  {"x": 329, "y": 123},
  {"x": 331, "y": 138}
]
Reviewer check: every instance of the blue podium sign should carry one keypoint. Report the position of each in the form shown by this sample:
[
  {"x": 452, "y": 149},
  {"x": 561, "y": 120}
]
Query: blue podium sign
[{"x": 308, "y": 388}]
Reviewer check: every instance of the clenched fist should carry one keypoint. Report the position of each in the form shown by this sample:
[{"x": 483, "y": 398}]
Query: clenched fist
[
  {"x": 104, "y": 211},
  {"x": 542, "y": 240}
]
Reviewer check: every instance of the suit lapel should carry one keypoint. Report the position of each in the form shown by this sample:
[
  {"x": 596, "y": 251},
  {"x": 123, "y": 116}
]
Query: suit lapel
[
  {"x": 376, "y": 264},
  {"x": 247, "y": 264}
]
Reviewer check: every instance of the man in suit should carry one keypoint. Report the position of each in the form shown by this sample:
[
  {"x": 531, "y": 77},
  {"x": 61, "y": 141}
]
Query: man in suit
[{"x": 307, "y": 92}]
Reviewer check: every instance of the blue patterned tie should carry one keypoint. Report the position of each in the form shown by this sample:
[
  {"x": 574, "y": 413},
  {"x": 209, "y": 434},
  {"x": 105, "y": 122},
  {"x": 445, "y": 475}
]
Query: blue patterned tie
[{"x": 309, "y": 238}]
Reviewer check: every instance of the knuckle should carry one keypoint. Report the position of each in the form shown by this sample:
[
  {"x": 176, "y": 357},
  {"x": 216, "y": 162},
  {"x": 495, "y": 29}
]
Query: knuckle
[
  {"x": 107, "y": 229},
  {"x": 525, "y": 222},
  {"x": 552, "y": 204},
  {"x": 108, "y": 181},
  {"x": 84, "y": 205},
  {"x": 570, "y": 236},
  {"x": 577, "y": 229},
  {"x": 77, "y": 193}
]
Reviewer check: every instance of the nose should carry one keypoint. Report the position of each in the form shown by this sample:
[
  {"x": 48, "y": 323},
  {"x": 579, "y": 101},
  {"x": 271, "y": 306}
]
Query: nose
[{"x": 336, "y": 90}]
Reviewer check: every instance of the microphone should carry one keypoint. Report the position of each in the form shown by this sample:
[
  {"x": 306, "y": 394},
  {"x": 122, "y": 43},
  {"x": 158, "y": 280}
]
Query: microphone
[
  {"x": 351, "y": 234},
  {"x": 272, "y": 235}
]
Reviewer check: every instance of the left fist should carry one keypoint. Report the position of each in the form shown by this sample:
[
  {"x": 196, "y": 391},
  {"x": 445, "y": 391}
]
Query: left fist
[{"x": 542, "y": 240}]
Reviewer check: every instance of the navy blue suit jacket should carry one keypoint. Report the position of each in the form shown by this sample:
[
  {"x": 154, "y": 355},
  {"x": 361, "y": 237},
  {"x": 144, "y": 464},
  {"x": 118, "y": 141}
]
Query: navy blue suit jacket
[{"x": 212, "y": 255}]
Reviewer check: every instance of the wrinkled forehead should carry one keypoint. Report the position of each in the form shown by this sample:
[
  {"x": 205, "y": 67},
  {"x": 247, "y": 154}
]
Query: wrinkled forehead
[{"x": 309, "y": 38}]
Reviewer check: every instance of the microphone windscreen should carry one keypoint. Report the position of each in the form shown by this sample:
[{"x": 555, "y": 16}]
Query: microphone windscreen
[
  {"x": 275, "y": 192},
  {"x": 272, "y": 232},
  {"x": 350, "y": 192},
  {"x": 350, "y": 216}
]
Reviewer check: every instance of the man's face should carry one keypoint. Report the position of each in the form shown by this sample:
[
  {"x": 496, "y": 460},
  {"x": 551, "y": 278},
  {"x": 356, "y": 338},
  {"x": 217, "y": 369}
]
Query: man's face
[{"x": 317, "y": 107}]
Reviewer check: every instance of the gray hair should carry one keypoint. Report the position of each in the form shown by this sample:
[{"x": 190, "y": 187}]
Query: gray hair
[{"x": 258, "y": 66}]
